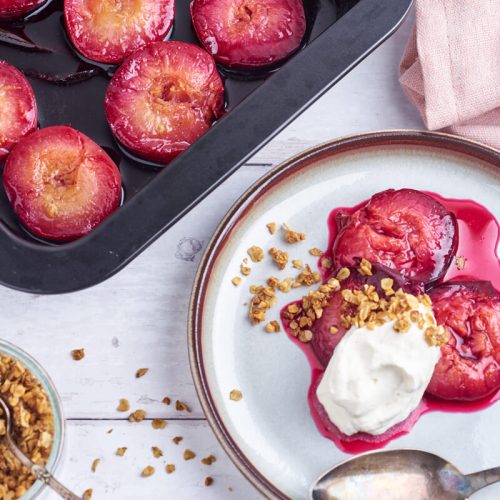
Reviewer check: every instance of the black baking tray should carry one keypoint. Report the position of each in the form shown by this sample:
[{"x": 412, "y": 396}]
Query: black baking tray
[{"x": 70, "y": 90}]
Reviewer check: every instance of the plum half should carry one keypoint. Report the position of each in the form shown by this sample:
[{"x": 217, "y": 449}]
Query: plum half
[
  {"x": 323, "y": 342},
  {"x": 109, "y": 30},
  {"x": 469, "y": 367},
  {"x": 249, "y": 34},
  {"x": 163, "y": 98},
  {"x": 60, "y": 183},
  {"x": 13, "y": 9},
  {"x": 405, "y": 230},
  {"x": 18, "y": 111}
]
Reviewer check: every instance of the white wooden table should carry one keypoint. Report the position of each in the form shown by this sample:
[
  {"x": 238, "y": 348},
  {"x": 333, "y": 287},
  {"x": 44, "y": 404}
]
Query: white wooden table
[{"x": 138, "y": 319}]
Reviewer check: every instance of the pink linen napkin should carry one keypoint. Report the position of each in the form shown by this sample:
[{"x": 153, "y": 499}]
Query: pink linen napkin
[{"x": 451, "y": 67}]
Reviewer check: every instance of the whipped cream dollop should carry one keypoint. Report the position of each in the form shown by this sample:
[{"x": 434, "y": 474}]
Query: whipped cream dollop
[{"x": 377, "y": 377}]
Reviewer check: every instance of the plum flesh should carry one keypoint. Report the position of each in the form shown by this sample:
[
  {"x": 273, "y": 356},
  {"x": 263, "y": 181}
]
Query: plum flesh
[
  {"x": 18, "y": 111},
  {"x": 13, "y": 9},
  {"x": 60, "y": 183},
  {"x": 107, "y": 30},
  {"x": 163, "y": 98},
  {"x": 323, "y": 342},
  {"x": 248, "y": 34},
  {"x": 469, "y": 367},
  {"x": 405, "y": 230}
]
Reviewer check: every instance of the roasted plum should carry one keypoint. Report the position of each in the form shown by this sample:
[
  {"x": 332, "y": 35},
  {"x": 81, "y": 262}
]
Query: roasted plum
[
  {"x": 328, "y": 428},
  {"x": 469, "y": 367},
  {"x": 405, "y": 230},
  {"x": 60, "y": 183},
  {"x": 249, "y": 34},
  {"x": 323, "y": 341},
  {"x": 163, "y": 98},
  {"x": 107, "y": 31},
  {"x": 18, "y": 112},
  {"x": 13, "y": 9}
]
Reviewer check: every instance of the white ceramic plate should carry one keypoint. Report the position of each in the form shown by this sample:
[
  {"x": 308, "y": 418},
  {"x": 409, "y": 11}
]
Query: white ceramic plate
[{"x": 270, "y": 434}]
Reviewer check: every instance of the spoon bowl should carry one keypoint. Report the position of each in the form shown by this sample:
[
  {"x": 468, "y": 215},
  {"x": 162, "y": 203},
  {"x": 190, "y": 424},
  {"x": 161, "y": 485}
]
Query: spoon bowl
[{"x": 399, "y": 475}]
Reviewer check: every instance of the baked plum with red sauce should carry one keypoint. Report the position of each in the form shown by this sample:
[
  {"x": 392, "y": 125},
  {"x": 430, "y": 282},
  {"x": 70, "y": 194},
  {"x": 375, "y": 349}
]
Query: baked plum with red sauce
[
  {"x": 163, "y": 98},
  {"x": 108, "y": 30},
  {"x": 13, "y": 9},
  {"x": 60, "y": 183},
  {"x": 323, "y": 341},
  {"x": 327, "y": 427},
  {"x": 249, "y": 34},
  {"x": 405, "y": 230},
  {"x": 18, "y": 111},
  {"x": 469, "y": 368}
]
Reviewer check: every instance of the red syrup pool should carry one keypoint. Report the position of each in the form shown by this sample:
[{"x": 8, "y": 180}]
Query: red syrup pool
[{"x": 478, "y": 238}]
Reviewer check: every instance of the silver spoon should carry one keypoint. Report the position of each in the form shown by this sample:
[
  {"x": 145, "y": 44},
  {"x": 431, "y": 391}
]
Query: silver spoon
[
  {"x": 399, "y": 475},
  {"x": 39, "y": 471}
]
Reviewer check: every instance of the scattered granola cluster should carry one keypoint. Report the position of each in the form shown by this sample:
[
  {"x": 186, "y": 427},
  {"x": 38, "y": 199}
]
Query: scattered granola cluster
[
  {"x": 33, "y": 426},
  {"x": 365, "y": 308}
]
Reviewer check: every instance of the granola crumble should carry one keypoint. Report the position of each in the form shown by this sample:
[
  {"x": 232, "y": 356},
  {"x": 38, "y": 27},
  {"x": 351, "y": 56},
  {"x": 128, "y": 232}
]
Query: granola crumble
[
  {"x": 170, "y": 468},
  {"x": 235, "y": 395},
  {"x": 264, "y": 297},
  {"x": 236, "y": 281},
  {"x": 137, "y": 416},
  {"x": 157, "y": 453},
  {"x": 208, "y": 460},
  {"x": 279, "y": 256},
  {"x": 189, "y": 455},
  {"x": 180, "y": 406},
  {"x": 271, "y": 227},
  {"x": 177, "y": 439},
  {"x": 158, "y": 423},
  {"x": 95, "y": 463},
  {"x": 87, "y": 494},
  {"x": 315, "y": 251},
  {"x": 141, "y": 372},
  {"x": 256, "y": 253},
  {"x": 123, "y": 405},
  {"x": 245, "y": 270},
  {"x": 273, "y": 327},
  {"x": 293, "y": 236},
  {"x": 78, "y": 354},
  {"x": 121, "y": 451},
  {"x": 148, "y": 471},
  {"x": 209, "y": 481},
  {"x": 33, "y": 426}
]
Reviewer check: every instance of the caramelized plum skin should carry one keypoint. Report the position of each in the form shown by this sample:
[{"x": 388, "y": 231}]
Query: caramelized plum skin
[
  {"x": 469, "y": 367},
  {"x": 163, "y": 98},
  {"x": 324, "y": 342},
  {"x": 249, "y": 34},
  {"x": 18, "y": 111},
  {"x": 13, "y": 9},
  {"x": 405, "y": 230},
  {"x": 60, "y": 183},
  {"x": 107, "y": 31}
]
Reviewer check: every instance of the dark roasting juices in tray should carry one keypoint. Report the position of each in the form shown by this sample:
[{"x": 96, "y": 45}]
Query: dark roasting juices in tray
[{"x": 70, "y": 90}]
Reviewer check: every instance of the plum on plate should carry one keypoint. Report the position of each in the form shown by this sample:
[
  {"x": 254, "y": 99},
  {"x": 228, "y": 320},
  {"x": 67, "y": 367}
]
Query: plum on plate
[
  {"x": 60, "y": 183},
  {"x": 249, "y": 34},
  {"x": 18, "y": 112},
  {"x": 323, "y": 342},
  {"x": 405, "y": 230},
  {"x": 12, "y": 9},
  {"x": 107, "y": 31},
  {"x": 163, "y": 98},
  {"x": 469, "y": 367}
]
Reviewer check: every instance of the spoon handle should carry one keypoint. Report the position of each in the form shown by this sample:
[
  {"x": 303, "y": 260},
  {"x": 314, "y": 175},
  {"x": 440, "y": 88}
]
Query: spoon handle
[
  {"x": 483, "y": 478},
  {"x": 40, "y": 472}
]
